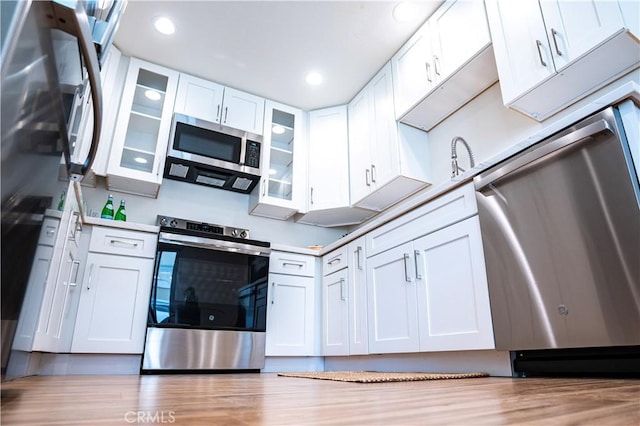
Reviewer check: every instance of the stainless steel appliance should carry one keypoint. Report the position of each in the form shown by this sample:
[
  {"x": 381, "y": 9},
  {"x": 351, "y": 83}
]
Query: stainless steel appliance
[
  {"x": 561, "y": 233},
  {"x": 49, "y": 67},
  {"x": 213, "y": 154},
  {"x": 208, "y": 300}
]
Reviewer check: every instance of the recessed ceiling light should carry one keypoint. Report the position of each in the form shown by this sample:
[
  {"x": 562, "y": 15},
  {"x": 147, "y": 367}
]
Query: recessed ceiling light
[
  {"x": 153, "y": 95},
  {"x": 140, "y": 160},
  {"x": 164, "y": 25},
  {"x": 277, "y": 129},
  {"x": 405, "y": 11},
  {"x": 313, "y": 78}
]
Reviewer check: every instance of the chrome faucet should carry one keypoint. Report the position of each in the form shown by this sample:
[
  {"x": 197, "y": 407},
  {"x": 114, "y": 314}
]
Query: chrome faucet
[{"x": 455, "y": 169}]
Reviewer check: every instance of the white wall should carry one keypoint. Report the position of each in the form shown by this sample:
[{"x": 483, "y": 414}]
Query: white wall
[{"x": 212, "y": 205}]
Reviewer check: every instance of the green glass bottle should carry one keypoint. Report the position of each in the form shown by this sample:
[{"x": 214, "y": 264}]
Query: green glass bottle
[
  {"x": 107, "y": 210},
  {"x": 121, "y": 214},
  {"x": 61, "y": 202}
]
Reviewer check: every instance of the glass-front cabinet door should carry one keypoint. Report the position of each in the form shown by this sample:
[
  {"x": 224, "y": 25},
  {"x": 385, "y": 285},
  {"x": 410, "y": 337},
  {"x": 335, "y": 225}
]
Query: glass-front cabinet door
[
  {"x": 281, "y": 191},
  {"x": 142, "y": 130}
]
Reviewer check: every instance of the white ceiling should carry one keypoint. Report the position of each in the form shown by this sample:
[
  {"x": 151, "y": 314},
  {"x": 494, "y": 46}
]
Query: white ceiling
[{"x": 267, "y": 47}]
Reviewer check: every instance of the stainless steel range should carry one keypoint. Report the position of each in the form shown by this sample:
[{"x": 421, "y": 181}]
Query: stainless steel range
[{"x": 208, "y": 302}]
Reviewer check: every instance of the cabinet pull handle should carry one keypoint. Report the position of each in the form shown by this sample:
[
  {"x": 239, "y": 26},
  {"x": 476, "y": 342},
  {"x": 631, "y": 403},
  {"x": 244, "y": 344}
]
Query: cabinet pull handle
[
  {"x": 539, "y": 44},
  {"x": 74, "y": 283},
  {"x": 334, "y": 260},
  {"x": 427, "y": 65},
  {"x": 264, "y": 187},
  {"x": 273, "y": 292},
  {"x": 416, "y": 254},
  {"x": 226, "y": 110},
  {"x": 299, "y": 265},
  {"x": 218, "y": 113},
  {"x": 436, "y": 61},
  {"x": 554, "y": 35},
  {"x": 90, "y": 276},
  {"x": 407, "y": 278},
  {"x": 128, "y": 243},
  {"x": 342, "y": 295},
  {"x": 358, "y": 257},
  {"x": 367, "y": 177},
  {"x": 373, "y": 173},
  {"x": 51, "y": 232},
  {"x": 311, "y": 195}
]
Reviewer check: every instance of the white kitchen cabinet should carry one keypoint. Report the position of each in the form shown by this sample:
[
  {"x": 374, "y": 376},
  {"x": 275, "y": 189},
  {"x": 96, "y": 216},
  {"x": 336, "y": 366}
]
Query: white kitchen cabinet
[
  {"x": 114, "y": 301},
  {"x": 142, "y": 130},
  {"x": 335, "y": 313},
  {"x": 215, "y": 103},
  {"x": 357, "y": 279},
  {"x": 387, "y": 161},
  {"x": 281, "y": 192},
  {"x": 550, "y": 54},
  {"x": 447, "y": 62},
  {"x": 60, "y": 296},
  {"x": 291, "y": 307},
  {"x": 392, "y": 302},
  {"x": 451, "y": 283}
]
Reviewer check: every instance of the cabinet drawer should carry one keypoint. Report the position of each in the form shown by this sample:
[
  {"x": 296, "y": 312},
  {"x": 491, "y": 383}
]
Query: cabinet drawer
[
  {"x": 335, "y": 260},
  {"x": 291, "y": 264},
  {"x": 443, "y": 211},
  {"x": 49, "y": 231},
  {"x": 123, "y": 242}
]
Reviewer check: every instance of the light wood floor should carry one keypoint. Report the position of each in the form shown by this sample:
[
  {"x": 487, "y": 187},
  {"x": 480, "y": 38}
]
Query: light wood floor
[{"x": 267, "y": 399}]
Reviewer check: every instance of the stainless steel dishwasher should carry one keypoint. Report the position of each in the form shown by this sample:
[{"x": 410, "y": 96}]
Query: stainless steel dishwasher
[{"x": 561, "y": 233}]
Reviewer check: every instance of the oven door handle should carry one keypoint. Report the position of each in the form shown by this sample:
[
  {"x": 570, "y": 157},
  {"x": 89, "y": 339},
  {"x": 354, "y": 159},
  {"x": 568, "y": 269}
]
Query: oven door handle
[{"x": 213, "y": 244}]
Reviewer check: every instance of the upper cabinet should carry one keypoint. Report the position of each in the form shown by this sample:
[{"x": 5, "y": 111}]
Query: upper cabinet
[
  {"x": 447, "y": 62},
  {"x": 215, "y": 103},
  {"x": 552, "y": 53},
  {"x": 328, "y": 201},
  {"x": 142, "y": 130},
  {"x": 387, "y": 160},
  {"x": 281, "y": 191}
]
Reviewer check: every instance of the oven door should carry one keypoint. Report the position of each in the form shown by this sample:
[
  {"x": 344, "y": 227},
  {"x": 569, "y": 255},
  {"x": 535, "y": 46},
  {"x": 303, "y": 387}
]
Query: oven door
[{"x": 209, "y": 284}]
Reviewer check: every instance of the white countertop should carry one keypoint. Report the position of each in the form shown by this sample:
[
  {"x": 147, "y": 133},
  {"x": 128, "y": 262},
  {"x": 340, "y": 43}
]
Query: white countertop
[{"x": 131, "y": 226}]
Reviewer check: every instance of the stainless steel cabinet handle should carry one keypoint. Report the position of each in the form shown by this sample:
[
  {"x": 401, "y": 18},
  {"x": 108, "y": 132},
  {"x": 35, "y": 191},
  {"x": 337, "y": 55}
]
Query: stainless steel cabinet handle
[
  {"x": 264, "y": 187},
  {"x": 427, "y": 65},
  {"x": 342, "y": 295},
  {"x": 358, "y": 257},
  {"x": 128, "y": 243},
  {"x": 226, "y": 110},
  {"x": 416, "y": 254},
  {"x": 299, "y": 265},
  {"x": 367, "y": 177},
  {"x": 90, "y": 276},
  {"x": 373, "y": 173},
  {"x": 74, "y": 282},
  {"x": 311, "y": 195},
  {"x": 51, "y": 232},
  {"x": 436, "y": 62},
  {"x": 218, "y": 113},
  {"x": 406, "y": 258},
  {"x": 334, "y": 260},
  {"x": 554, "y": 35},
  {"x": 273, "y": 292},
  {"x": 539, "y": 44}
]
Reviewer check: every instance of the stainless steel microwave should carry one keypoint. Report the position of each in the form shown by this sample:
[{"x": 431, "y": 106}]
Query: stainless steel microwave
[{"x": 214, "y": 155}]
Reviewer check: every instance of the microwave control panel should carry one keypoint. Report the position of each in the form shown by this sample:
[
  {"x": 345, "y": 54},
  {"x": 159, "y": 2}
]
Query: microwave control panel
[{"x": 252, "y": 157}]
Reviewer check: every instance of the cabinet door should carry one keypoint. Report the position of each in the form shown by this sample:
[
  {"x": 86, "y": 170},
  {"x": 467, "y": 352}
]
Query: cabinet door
[
  {"x": 112, "y": 315},
  {"x": 384, "y": 164},
  {"x": 458, "y": 30},
  {"x": 242, "y": 111},
  {"x": 453, "y": 298},
  {"x": 413, "y": 73},
  {"x": 360, "y": 146},
  {"x": 392, "y": 305},
  {"x": 358, "y": 326},
  {"x": 142, "y": 131},
  {"x": 281, "y": 192},
  {"x": 290, "y": 315},
  {"x": 575, "y": 27},
  {"x": 199, "y": 98},
  {"x": 523, "y": 55},
  {"x": 335, "y": 313},
  {"x": 328, "y": 159}
]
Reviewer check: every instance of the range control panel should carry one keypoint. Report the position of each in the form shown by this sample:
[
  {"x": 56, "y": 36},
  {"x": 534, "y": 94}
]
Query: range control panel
[{"x": 200, "y": 227}]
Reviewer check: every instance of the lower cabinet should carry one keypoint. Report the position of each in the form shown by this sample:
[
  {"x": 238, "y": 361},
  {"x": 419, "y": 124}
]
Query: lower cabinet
[
  {"x": 431, "y": 294},
  {"x": 114, "y": 299},
  {"x": 291, "y": 307},
  {"x": 335, "y": 313}
]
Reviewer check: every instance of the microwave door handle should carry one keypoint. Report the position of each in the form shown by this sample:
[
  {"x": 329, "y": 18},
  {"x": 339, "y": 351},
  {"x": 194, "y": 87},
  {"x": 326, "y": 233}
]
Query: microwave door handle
[
  {"x": 70, "y": 17},
  {"x": 243, "y": 149}
]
